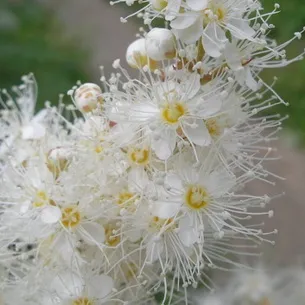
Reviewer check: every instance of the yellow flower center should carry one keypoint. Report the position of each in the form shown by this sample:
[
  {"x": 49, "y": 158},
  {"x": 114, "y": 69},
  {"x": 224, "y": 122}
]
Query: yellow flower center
[
  {"x": 196, "y": 197},
  {"x": 172, "y": 112},
  {"x": 220, "y": 13},
  {"x": 70, "y": 216},
  {"x": 158, "y": 224},
  {"x": 98, "y": 149},
  {"x": 213, "y": 127},
  {"x": 130, "y": 271},
  {"x": 82, "y": 301},
  {"x": 214, "y": 14},
  {"x": 127, "y": 200},
  {"x": 139, "y": 156},
  {"x": 125, "y": 197},
  {"x": 111, "y": 238},
  {"x": 57, "y": 166},
  {"x": 42, "y": 199}
]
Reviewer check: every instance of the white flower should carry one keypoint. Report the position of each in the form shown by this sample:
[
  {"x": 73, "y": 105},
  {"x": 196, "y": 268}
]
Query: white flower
[
  {"x": 33, "y": 197},
  {"x": 247, "y": 59},
  {"x": 209, "y": 21},
  {"x": 167, "y": 110},
  {"x": 147, "y": 186},
  {"x": 79, "y": 219},
  {"x": 200, "y": 196}
]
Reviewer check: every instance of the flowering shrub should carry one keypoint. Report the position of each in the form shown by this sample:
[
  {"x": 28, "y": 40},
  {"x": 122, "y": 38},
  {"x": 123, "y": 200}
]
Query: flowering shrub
[{"x": 136, "y": 189}]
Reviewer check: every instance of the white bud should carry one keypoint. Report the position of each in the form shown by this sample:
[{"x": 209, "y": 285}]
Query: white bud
[
  {"x": 158, "y": 5},
  {"x": 58, "y": 160},
  {"x": 87, "y": 97},
  {"x": 160, "y": 44},
  {"x": 136, "y": 55}
]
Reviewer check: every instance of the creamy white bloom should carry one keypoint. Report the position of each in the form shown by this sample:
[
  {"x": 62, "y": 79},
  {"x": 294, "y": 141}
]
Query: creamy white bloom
[
  {"x": 200, "y": 196},
  {"x": 130, "y": 194},
  {"x": 167, "y": 110},
  {"x": 209, "y": 21}
]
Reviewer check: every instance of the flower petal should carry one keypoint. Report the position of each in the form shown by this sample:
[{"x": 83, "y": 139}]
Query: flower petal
[
  {"x": 219, "y": 182},
  {"x": 33, "y": 131},
  {"x": 213, "y": 40},
  {"x": 165, "y": 145},
  {"x": 172, "y": 9},
  {"x": 183, "y": 22},
  {"x": 40, "y": 116},
  {"x": 99, "y": 286},
  {"x": 50, "y": 214},
  {"x": 142, "y": 112},
  {"x": 67, "y": 284},
  {"x": 199, "y": 135},
  {"x": 192, "y": 33},
  {"x": 240, "y": 28},
  {"x": 197, "y": 5},
  {"x": 188, "y": 236},
  {"x": 93, "y": 233},
  {"x": 189, "y": 86},
  {"x": 233, "y": 57},
  {"x": 174, "y": 181},
  {"x": 137, "y": 178},
  {"x": 165, "y": 209},
  {"x": 209, "y": 107},
  {"x": 250, "y": 80}
]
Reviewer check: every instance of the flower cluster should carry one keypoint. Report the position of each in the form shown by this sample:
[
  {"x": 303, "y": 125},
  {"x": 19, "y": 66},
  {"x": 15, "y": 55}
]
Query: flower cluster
[{"x": 130, "y": 194}]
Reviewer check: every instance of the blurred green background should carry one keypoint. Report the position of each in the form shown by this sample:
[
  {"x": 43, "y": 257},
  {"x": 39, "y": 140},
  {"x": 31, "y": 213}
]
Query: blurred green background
[{"x": 31, "y": 40}]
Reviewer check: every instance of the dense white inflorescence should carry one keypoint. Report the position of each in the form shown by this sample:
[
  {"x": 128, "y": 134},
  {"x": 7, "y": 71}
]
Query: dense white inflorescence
[{"x": 133, "y": 192}]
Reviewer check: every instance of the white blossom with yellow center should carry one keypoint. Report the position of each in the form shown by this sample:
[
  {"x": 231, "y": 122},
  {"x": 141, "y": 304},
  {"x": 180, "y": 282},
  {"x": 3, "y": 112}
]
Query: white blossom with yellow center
[
  {"x": 167, "y": 110},
  {"x": 193, "y": 195},
  {"x": 209, "y": 21}
]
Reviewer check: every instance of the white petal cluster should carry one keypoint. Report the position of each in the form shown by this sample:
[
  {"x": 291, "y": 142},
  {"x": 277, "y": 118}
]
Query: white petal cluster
[{"x": 135, "y": 190}]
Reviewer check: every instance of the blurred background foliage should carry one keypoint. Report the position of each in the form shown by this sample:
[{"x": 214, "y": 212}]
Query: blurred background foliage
[{"x": 32, "y": 41}]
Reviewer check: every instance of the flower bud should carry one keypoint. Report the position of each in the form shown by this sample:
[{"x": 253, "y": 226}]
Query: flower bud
[
  {"x": 136, "y": 55},
  {"x": 58, "y": 160},
  {"x": 87, "y": 97},
  {"x": 160, "y": 44},
  {"x": 158, "y": 5}
]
